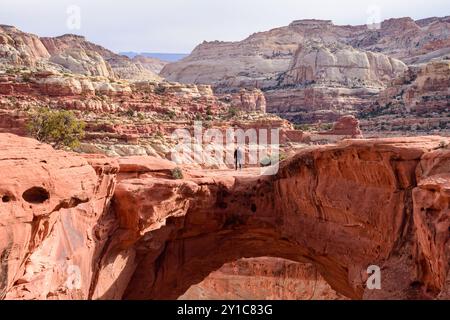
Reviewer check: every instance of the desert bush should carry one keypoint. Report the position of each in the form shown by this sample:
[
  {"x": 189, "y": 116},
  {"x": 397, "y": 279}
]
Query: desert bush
[
  {"x": 129, "y": 113},
  {"x": 141, "y": 116},
  {"x": 443, "y": 145},
  {"x": 302, "y": 127},
  {"x": 233, "y": 112},
  {"x": 160, "y": 90},
  {"x": 171, "y": 114},
  {"x": 60, "y": 128},
  {"x": 326, "y": 126},
  {"x": 177, "y": 174}
]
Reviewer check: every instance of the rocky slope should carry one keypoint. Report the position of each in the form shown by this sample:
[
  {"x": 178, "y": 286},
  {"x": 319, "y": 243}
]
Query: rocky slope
[
  {"x": 53, "y": 206},
  {"x": 341, "y": 65},
  {"x": 131, "y": 118},
  {"x": 263, "y": 57},
  {"x": 418, "y": 101},
  {"x": 67, "y": 53},
  {"x": 340, "y": 208},
  {"x": 313, "y": 70},
  {"x": 152, "y": 64}
]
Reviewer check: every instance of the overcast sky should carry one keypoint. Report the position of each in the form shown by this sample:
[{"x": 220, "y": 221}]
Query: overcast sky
[{"x": 177, "y": 26}]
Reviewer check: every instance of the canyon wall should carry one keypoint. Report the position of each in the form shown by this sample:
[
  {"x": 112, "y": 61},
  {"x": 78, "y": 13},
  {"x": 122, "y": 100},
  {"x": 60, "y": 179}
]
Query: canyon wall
[
  {"x": 313, "y": 70},
  {"x": 53, "y": 220},
  {"x": 263, "y": 279},
  {"x": 340, "y": 208},
  {"x": 260, "y": 59},
  {"x": 68, "y": 53}
]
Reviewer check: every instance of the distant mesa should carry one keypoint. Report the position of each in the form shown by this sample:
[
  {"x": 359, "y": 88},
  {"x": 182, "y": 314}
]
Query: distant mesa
[
  {"x": 169, "y": 57},
  {"x": 311, "y": 22}
]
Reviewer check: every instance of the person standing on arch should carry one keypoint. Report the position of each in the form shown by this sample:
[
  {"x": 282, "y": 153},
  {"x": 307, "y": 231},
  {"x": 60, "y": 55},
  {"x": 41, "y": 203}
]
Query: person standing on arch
[{"x": 238, "y": 157}]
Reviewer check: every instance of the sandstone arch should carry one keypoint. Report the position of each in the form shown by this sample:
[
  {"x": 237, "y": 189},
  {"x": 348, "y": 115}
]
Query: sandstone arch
[{"x": 342, "y": 208}]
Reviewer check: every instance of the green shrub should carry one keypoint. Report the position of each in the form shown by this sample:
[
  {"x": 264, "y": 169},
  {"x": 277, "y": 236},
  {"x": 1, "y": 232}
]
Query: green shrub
[
  {"x": 443, "y": 145},
  {"x": 129, "y": 113},
  {"x": 160, "y": 90},
  {"x": 59, "y": 128},
  {"x": 177, "y": 174},
  {"x": 141, "y": 116},
  {"x": 302, "y": 127},
  {"x": 233, "y": 112},
  {"x": 171, "y": 114},
  {"x": 327, "y": 126}
]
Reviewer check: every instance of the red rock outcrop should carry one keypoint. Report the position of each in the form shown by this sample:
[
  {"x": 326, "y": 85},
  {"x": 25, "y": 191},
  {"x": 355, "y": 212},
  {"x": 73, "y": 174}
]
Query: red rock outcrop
[
  {"x": 247, "y": 100},
  {"x": 346, "y": 126},
  {"x": 53, "y": 219},
  {"x": 263, "y": 279},
  {"x": 341, "y": 208},
  {"x": 353, "y": 204},
  {"x": 432, "y": 220}
]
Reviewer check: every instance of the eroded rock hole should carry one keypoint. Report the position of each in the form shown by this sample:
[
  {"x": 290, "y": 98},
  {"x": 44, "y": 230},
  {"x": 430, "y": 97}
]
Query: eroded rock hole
[
  {"x": 6, "y": 198},
  {"x": 36, "y": 195},
  {"x": 253, "y": 208}
]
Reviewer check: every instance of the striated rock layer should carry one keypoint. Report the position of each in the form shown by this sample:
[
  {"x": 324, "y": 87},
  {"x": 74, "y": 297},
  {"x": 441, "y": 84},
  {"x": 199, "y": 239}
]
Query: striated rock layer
[
  {"x": 313, "y": 70},
  {"x": 260, "y": 59},
  {"x": 53, "y": 219},
  {"x": 340, "y": 208},
  {"x": 263, "y": 279},
  {"x": 68, "y": 53}
]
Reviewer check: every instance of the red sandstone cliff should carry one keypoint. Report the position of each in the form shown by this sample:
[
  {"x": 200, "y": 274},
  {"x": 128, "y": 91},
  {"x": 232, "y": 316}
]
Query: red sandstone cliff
[{"x": 340, "y": 208}]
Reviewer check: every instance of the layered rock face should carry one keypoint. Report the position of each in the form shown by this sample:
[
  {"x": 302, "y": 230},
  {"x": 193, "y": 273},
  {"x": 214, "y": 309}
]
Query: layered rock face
[
  {"x": 131, "y": 118},
  {"x": 80, "y": 56},
  {"x": 152, "y": 64},
  {"x": 431, "y": 218},
  {"x": 326, "y": 80},
  {"x": 262, "y": 57},
  {"x": 53, "y": 207},
  {"x": 252, "y": 100},
  {"x": 68, "y": 53},
  {"x": 19, "y": 48},
  {"x": 347, "y": 126},
  {"x": 417, "y": 101},
  {"x": 313, "y": 70},
  {"x": 341, "y": 208},
  {"x": 263, "y": 279},
  {"x": 315, "y": 62}
]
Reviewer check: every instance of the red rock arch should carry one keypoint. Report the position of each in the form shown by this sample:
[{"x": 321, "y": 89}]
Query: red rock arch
[{"x": 342, "y": 208}]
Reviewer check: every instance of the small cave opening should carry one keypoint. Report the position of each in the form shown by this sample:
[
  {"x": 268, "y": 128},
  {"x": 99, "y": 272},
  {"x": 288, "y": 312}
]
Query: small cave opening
[
  {"x": 36, "y": 195},
  {"x": 6, "y": 198}
]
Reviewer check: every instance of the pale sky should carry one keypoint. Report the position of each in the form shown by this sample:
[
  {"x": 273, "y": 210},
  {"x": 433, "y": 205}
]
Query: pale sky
[{"x": 177, "y": 26}]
